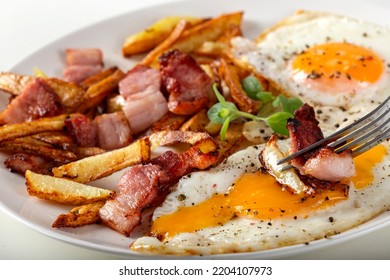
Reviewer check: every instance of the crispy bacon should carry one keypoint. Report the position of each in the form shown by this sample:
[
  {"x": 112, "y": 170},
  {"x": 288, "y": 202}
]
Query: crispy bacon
[
  {"x": 329, "y": 166},
  {"x": 113, "y": 131},
  {"x": 84, "y": 56},
  {"x": 37, "y": 100},
  {"x": 188, "y": 86},
  {"x": 323, "y": 163},
  {"x": 78, "y": 73},
  {"x": 144, "y": 102},
  {"x": 148, "y": 185},
  {"x": 20, "y": 163},
  {"x": 139, "y": 79},
  {"x": 82, "y": 64},
  {"x": 137, "y": 188},
  {"x": 304, "y": 131},
  {"x": 82, "y": 129}
]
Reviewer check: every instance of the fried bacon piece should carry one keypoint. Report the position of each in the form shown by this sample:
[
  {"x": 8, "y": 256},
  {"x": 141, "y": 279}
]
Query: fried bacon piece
[
  {"x": 82, "y": 64},
  {"x": 323, "y": 164},
  {"x": 147, "y": 185},
  {"x": 329, "y": 166},
  {"x": 82, "y": 129},
  {"x": 21, "y": 162},
  {"x": 304, "y": 131},
  {"x": 37, "y": 100},
  {"x": 188, "y": 86}
]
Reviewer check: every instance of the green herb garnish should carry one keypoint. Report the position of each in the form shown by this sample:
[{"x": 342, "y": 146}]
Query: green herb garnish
[{"x": 225, "y": 112}]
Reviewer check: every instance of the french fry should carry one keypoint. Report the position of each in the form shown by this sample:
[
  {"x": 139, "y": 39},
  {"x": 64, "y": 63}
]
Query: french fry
[
  {"x": 170, "y": 121},
  {"x": 11, "y": 131},
  {"x": 98, "y": 77},
  {"x": 197, "y": 122},
  {"x": 102, "y": 165},
  {"x": 37, "y": 147},
  {"x": 230, "y": 75},
  {"x": 96, "y": 93},
  {"x": 167, "y": 137},
  {"x": 151, "y": 58},
  {"x": 209, "y": 30},
  {"x": 13, "y": 83},
  {"x": 232, "y": 142},
  {"x": 146, "y": 40},
  {"x": 62, "y": 190},
  {"x": 70, "y": 94},
  {"x": 80, "y": 216}
]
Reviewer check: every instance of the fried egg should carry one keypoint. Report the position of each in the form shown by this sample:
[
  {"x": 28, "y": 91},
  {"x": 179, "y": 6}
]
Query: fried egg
[
  {"x": 235, "y": 207},
  {"x": 339, "y": 65}
]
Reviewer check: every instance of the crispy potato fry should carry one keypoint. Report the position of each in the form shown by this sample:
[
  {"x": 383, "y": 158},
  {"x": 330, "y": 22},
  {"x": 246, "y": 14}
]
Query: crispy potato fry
[
  {"x": 70, "y": 94},
  {"x": 152, "y": 57},
  {"x": 57, "y": 139},
  {"x": 231, "y": 76},
  {"x": 233, "y": 140},
  {"x": 98, "y": 77},
  {"x": 80, "y": 216},
  {"x": 146, "y": 40},
  {"x": 209, "y": 30},
  {"x": 197, "y": 122},
  {"x": 166, "y": 138},
  {"x": 37, "y": 147},
  {"x": 11, "y": 131},
  {"x": 170, "y": 121},
  {"x": 105, "y": 164},
  {"x": 13, "y": 83},
  {"x": 96, "y": 93},
  {"x": 63, "y": 190}
]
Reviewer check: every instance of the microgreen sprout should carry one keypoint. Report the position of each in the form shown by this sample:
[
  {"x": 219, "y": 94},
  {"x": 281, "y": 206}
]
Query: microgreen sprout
[{"x": 225, "y": 112}]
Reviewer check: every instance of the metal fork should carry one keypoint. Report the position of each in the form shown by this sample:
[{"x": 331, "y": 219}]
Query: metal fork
[{"x": 360, "y": 136}]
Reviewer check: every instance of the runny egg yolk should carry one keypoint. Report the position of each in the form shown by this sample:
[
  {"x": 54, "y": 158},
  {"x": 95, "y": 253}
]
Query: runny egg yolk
[
  {"x": 337, "y": 66},
  {"x": 258, "y": 196},
  {"x": 364, "y": 164},
  {"x": 255, "y": 196}
]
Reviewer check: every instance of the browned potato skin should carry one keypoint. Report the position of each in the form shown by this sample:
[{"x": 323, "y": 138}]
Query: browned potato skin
[
  {"x": 102, "y": 165},
  {"x": 80, "y": 216},
  {"x": 13, "y": 83},
  {"x": 62, "y": 190}
]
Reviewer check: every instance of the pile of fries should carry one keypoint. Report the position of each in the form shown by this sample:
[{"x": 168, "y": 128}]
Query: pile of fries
[{"x": 207, "y": 40}]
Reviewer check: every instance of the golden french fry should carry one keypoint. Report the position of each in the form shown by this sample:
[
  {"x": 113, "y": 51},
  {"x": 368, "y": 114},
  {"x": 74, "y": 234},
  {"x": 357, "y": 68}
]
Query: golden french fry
[
  {"x": 209, "y": 30},
  {"x": 105, "y": 164},
  {"x": 167, "y": 137},
  {"x": 14, "y": 83},
  {"x": 98, "y": 77},
  {"x": 63, "y": 190},
  {"x": 71, "y": 94},
  {"x": 37, "y": 147},
  {"x": 146, "y": 40},
  {"x": 11, "y": 131},
  {"x": 96, "y": 93},
  {"x": 197, "y": 122},
  {"x": 170, "y": 121},
  {"x": 152, "y": 56},
  {"x": 230, "y": 75},
  {"x": 80, "y": 216}
]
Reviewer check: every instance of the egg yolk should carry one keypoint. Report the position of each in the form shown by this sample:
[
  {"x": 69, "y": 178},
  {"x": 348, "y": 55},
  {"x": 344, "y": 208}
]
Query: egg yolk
[
  {"x": 254, "y": 195},
  {"x": 364, "y": 164},
  {"x": 331, "y": 65},
  {"x": 259, "y": 196}
]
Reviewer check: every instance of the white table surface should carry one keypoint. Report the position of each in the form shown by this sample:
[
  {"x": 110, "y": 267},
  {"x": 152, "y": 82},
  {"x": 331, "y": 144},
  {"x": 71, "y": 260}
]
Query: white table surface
[{"x": 26, "y": 26}]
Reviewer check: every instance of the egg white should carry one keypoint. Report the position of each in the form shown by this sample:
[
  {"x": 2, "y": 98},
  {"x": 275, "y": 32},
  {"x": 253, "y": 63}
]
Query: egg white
[{"x": 246, "y": 234}]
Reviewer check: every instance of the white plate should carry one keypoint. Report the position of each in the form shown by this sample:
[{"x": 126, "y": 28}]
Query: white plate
[{"x": 109, "y": 35}]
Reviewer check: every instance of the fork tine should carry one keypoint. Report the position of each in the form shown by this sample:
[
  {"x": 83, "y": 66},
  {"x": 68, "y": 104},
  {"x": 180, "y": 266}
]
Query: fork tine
[
  {"x": 364, "y": 121},
  {"x": 372, "y": 143}
]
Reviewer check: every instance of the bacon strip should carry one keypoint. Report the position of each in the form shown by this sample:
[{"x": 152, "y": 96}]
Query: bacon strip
[
  {"x": 189, "y": 87},
  {"x": 323, "y": 164},
  {"x": 37, "y": 100},
  {"x": 147, "y": 185},
  {"x": 82, "y": 64},
  {"x": 304, "y": 131},
  {"x": 82, "y": 129}
]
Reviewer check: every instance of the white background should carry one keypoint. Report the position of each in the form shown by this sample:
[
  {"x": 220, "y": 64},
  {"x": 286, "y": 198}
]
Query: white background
[{"x": 26, "y": 26}]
